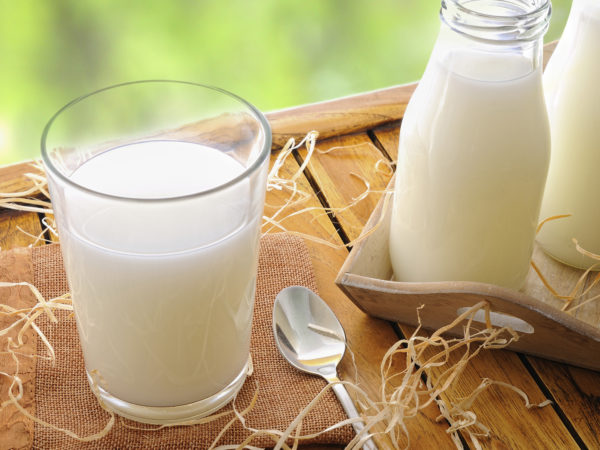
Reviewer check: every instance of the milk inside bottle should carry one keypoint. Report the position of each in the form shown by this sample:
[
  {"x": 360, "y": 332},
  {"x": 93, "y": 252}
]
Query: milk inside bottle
[
  {"x": 573, "y": 101},
  {"x": 474, "y": 150}
]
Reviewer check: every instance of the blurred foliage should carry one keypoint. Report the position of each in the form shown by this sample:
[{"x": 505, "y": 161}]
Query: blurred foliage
[{"x": 274, "y": 53}]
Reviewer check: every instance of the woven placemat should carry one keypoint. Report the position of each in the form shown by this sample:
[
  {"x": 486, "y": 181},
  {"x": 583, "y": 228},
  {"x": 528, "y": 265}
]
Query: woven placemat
[{"x": 63, "y": 396}]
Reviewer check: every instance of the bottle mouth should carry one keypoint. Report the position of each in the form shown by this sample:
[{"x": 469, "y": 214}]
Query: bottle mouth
[{"x": 498, "y": 21}]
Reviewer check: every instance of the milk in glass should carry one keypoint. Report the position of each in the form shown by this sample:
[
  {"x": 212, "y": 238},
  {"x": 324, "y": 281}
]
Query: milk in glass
[{"x": 165, "y": 319}]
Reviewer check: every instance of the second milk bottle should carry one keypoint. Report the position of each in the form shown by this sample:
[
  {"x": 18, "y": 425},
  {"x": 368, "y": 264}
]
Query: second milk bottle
[
  {"x": 474, "y": 148},
  {"x": 573, "y": 101}
]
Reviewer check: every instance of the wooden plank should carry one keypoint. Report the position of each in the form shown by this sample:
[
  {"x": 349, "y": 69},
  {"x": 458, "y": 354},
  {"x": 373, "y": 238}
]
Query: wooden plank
[
  {"x": 13, "y": 179},
  {"x": 340, "y": 159},
  {"x": 388, "y": 138},
  {"x": 18, "y": 229},
  {"x": 368, "y": 338},
  {"x": 341, "y": 116},
  {"x": 505, "y": 413},
  {"x": 577, "y": 393},
  {"x": 16, "y": 431}
]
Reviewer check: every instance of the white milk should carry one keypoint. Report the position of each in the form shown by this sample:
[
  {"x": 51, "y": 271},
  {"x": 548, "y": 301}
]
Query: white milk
[
  {"x": 573, "y": 98},
  {"x": 165, "y": 319},
  {"x": 471, "y": 168}
]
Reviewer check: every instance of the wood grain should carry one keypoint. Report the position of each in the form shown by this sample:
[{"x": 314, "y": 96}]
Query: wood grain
[
  {"x": 374, "y": 337},
  {"x": 13, "y": 179},
  {"x": 343, "y": 180},
  {"x": 577, "y": 393},
  {"x": 341, "y": 116},
  {"x": 368, "y": 338},
  {"x": 16, "y": 431},
  {"x": 504, "y": 416}
]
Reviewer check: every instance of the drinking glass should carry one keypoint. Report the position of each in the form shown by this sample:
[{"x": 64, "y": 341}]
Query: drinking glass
[{"x": 158, "y": 191}]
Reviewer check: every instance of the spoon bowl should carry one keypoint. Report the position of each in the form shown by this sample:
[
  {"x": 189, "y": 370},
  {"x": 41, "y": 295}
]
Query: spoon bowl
[
  {"x": 311, "y": 338},
  {"x": 307, "y": 333}
]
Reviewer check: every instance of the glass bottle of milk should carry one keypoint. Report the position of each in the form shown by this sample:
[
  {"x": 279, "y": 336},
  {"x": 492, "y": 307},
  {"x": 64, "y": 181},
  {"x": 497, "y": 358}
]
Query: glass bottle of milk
[
  {"x": 474, "y": 148},
  {"x": 573, "y": 100}
]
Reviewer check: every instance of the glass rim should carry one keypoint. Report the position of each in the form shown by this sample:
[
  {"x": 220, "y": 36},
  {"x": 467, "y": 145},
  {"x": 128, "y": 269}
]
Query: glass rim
[{"x": 256, "y": 164}]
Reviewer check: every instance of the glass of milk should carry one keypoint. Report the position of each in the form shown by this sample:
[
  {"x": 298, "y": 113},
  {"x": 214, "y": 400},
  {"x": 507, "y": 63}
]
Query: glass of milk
[
  {"x": 573, "y": 100},
  {"x": 158, "y": 190},
  {"x": 474, "y": 148}
]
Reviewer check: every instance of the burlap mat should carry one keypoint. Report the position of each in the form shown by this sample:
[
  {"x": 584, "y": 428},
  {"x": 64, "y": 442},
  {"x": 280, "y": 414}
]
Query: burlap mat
[{"x": 63, "y": 396}]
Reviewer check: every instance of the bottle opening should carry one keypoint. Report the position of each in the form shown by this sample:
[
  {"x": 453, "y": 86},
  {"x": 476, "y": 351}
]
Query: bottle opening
[{"x": 499, "y": 21}]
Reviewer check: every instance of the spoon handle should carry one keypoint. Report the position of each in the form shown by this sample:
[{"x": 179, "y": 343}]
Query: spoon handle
[{"x": 348, "y": 405}]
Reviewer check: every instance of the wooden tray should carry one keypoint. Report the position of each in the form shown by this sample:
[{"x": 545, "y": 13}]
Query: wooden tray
[{"x": 545, "y": 330}]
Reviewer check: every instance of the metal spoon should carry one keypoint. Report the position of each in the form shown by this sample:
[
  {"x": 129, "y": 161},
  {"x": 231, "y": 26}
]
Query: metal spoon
[{"x": 310, "y": 337}]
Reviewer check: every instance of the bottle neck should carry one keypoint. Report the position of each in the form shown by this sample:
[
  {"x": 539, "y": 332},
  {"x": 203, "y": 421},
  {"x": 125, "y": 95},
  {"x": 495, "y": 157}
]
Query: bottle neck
[
  {"x": 499, "y": 22},
  {"x": 497, "y": 40}
]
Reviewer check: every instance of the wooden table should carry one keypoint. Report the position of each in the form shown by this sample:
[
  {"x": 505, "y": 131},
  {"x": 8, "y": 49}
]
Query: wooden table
[{"x": 367, "y": 127}]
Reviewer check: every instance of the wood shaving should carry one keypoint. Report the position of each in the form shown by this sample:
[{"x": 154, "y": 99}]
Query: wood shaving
[{"x": 34, "y": 199}]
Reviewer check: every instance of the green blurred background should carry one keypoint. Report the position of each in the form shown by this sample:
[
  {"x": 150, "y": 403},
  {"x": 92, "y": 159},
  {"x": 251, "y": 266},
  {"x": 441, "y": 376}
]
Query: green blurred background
[{"x": 274, "y": 53}]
